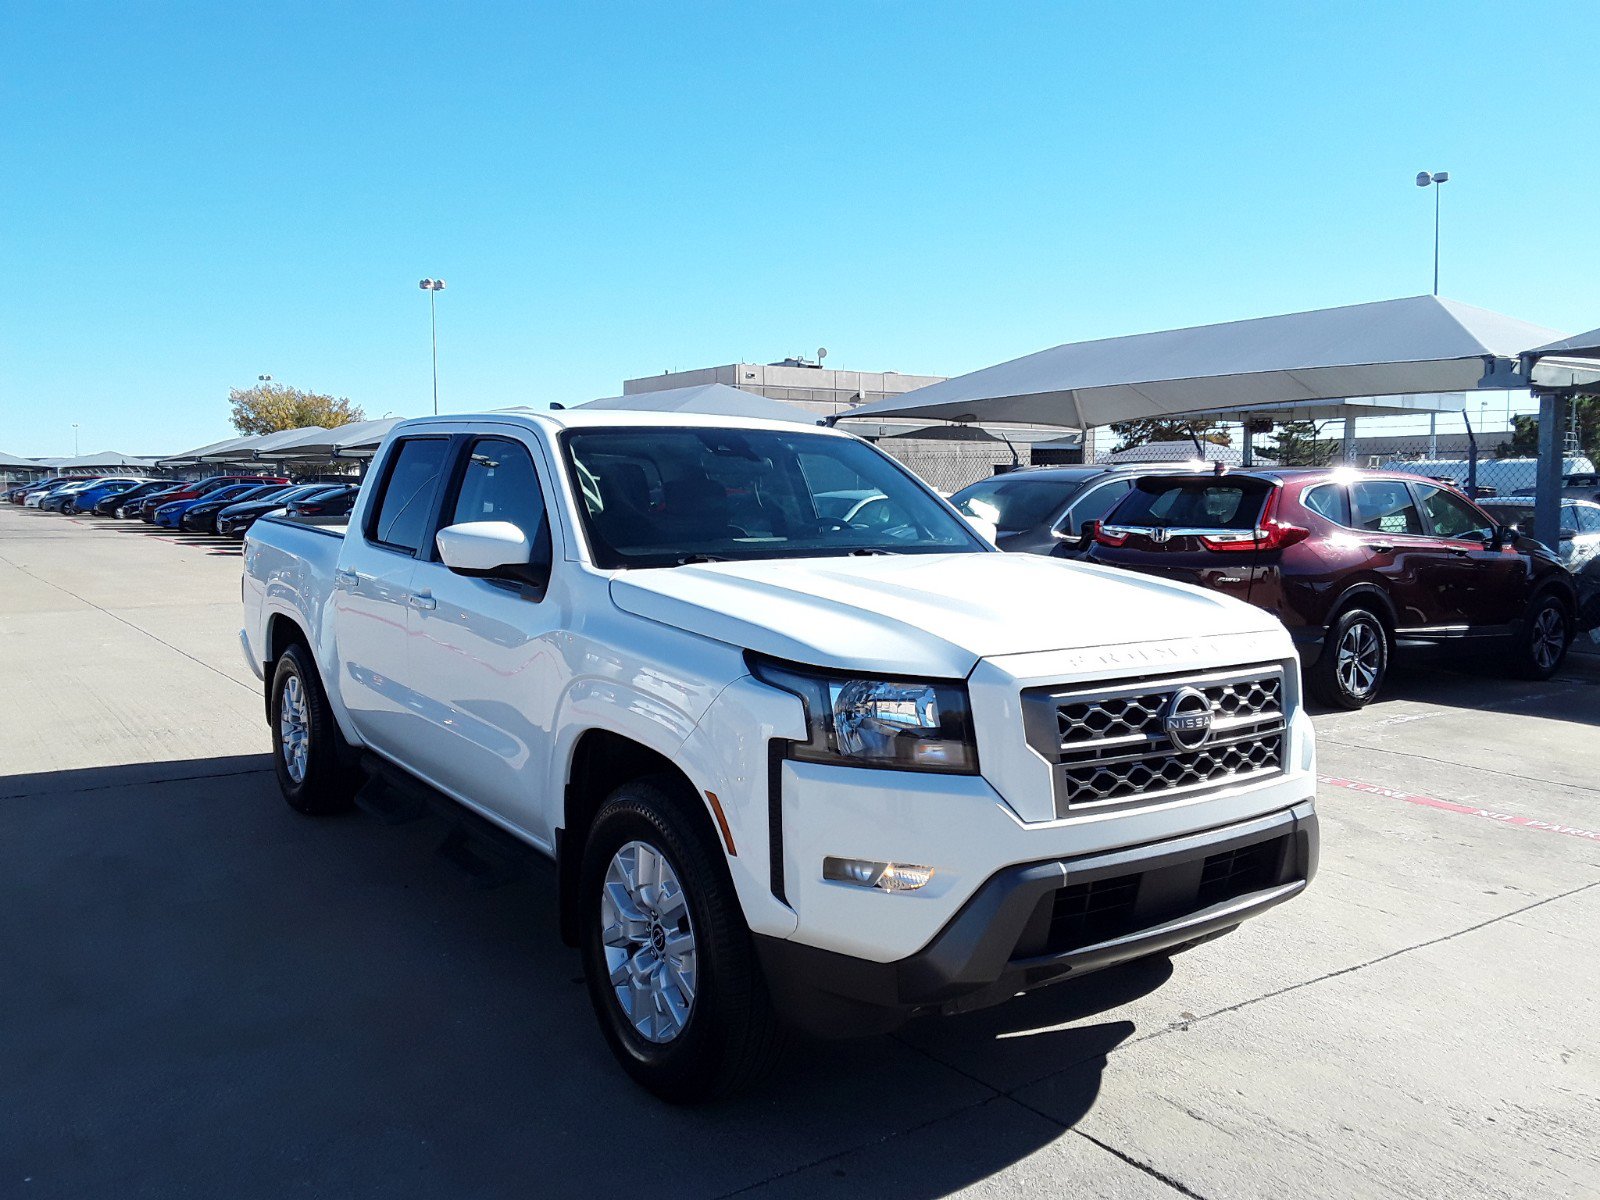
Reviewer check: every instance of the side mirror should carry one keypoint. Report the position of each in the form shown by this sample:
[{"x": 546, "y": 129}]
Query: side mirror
[
  {"x": 1503, "y": 535},
  {"x": 1568, "y": 534},
  {"x": 493, "y": 549},
  {"x": 987, "y": 530}
]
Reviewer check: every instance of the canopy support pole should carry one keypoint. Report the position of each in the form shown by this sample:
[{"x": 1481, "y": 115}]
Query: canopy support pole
[{"x": 1547, "y": 492}]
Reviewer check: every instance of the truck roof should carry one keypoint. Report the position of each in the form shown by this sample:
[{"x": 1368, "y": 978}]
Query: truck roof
[{"x": 615, "y": 418}]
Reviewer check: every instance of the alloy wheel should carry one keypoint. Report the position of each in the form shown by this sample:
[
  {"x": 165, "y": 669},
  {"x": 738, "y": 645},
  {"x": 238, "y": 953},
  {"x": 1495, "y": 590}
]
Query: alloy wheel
[
  {"x": 294, "y": 728},
  {"x": 1360, "y": 657},
  {"x": 649, "y": 942},
  {"x": 1548, "y": 638}
]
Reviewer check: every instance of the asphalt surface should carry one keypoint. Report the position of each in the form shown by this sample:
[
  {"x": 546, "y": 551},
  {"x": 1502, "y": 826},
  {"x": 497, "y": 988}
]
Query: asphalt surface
[{"x": 203, "y": 994}]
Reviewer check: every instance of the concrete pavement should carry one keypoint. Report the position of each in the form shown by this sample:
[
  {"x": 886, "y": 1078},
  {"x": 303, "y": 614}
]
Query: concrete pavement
[{"x": 206, "y": 995}]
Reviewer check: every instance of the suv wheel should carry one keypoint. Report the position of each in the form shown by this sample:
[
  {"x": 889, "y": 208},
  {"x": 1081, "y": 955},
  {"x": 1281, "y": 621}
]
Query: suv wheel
[
  {"x": 1354, "y": 660},
  {"x": 671, "y": 970},
  {"x": 1546, "y": 635},
  {"x": 308, "y": 751}
]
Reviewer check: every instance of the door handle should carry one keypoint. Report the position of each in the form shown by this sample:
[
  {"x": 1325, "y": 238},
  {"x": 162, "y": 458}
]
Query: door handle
[
  {"x": 422, "y": 600},
  {"x": 1381, "y": 547},
  {"x": 1457, "y": 552},
  {"x": 343, "y": 578}
]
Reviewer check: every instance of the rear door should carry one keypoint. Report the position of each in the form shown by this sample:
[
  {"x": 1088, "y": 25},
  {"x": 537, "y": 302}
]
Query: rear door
[
  {"x": 372, "y": 595},
  {"x": 1195, "y": 529}
]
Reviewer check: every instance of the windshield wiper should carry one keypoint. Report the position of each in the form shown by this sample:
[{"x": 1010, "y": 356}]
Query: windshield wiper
[
  {"x": 689, "y": 560},
  {"x": 868, "y": 551}
]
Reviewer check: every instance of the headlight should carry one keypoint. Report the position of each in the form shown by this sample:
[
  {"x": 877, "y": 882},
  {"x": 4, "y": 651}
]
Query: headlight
[{"x": 862, "y": 721}]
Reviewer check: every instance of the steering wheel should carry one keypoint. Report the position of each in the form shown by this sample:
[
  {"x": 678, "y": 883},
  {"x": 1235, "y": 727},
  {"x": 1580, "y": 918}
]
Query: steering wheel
[{"x": 829, "y": 525}]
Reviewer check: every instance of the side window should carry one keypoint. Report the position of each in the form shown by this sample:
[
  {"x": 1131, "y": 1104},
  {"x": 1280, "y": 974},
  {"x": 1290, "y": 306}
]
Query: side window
[
  {"x": 1096, "y": 504},
  {"x": 409, "y": 487},
  {"x": 1588, "y": 518},
  {"x": 1451, "y": 516},
  {"x": 500, "y": 484},
  {"x": 1329, "y": 500},
  {"x": 1384, "y": 506}
]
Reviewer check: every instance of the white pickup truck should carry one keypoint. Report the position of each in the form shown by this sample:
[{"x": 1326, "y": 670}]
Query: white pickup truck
[{"x": 806, "y": 749}]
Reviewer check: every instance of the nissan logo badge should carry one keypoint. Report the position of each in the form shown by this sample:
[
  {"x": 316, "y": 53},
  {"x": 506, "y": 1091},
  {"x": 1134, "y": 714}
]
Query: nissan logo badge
[{"x": 1187, "y": 721}]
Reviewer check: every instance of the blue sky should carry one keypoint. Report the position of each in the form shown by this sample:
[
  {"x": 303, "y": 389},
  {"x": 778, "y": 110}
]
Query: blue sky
[{"x": 192, "y": 195}]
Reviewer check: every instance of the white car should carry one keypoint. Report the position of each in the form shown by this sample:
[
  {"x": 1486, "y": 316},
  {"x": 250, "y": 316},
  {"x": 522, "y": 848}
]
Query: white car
[{"x": 794, "y": 770}]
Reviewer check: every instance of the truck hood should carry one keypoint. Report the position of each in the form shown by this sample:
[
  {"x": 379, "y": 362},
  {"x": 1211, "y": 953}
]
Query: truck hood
[{"x": 934, "y": 614}]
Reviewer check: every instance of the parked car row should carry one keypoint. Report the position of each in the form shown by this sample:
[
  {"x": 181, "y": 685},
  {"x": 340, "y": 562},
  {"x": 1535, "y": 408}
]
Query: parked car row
[
  {"x": 1359, "y": 565},
  {"x": 220, "y": 504}
]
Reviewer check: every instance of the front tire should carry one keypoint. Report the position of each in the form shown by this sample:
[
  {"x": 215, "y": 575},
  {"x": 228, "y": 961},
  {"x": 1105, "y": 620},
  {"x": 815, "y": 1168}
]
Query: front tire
[
  {"x": 1354, "y": 661},
  {"x": 1546, "y": 636},
  {"x": 671, "y": 970},
  {"x": 308, "y": 751}
]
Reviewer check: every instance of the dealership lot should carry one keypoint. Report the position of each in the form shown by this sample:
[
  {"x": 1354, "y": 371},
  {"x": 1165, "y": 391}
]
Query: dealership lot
[{"x": 208, "y": 995}]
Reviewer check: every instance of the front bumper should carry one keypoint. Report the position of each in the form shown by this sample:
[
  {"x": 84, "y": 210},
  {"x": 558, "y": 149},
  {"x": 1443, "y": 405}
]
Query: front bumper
[{"x": 1038, "y": 923}]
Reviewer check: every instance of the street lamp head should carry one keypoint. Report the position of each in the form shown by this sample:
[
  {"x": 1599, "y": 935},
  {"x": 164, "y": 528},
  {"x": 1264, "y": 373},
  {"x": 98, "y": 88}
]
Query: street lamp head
[
  {"x": 1441, "y": 176},
  {"x": 264, "y": 378},
  {"x": 1423, "y": 179},
  {"x": 431, "y": 285}
]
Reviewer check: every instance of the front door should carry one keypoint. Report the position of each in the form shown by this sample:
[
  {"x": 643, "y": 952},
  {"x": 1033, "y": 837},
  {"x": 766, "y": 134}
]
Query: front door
[
  {"x": 485, "y": 647},
  {"x": 1399, "y": 548},
  {"x": 1482, "y": 584}
]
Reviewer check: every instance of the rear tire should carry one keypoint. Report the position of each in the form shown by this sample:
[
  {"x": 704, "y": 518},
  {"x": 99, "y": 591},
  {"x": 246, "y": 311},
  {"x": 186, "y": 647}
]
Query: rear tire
[
  {"x": 1354, "y": 661},
  {"x": 675, "y": 983},
  {"x": 309, "y": 753},
  {"x": 1541, "y": 647}
]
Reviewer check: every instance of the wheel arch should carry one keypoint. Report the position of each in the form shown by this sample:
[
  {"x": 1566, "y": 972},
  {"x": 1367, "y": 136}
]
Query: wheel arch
[{"x": 599, "y": 762}]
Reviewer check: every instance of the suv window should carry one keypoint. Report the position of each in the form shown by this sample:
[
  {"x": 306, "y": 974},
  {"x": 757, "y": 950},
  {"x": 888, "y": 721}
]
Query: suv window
[
  {"x": 1096, "y": 504},
  {"x": 1588, "y": 518},
  {"x": 500, "y": 484},
  {"x": 409, "y": 485},
  {"x": 1192, "y": 503},
  {"x": 1451, "y": 516},
  {"x": 1385, "y": 506},
  {"x": 1329, "y": 500},
  {"x": 1014, "y": 502}
]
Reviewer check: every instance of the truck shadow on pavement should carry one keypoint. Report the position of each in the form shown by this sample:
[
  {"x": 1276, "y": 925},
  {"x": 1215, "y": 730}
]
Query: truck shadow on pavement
[{"x": 208, "y": 994}]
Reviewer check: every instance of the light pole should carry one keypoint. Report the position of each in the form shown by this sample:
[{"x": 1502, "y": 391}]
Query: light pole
[
  {"x": 1438, "y": 179},
  {"x": 74, "y": 439},
  {"x": 433, "y": 287}
]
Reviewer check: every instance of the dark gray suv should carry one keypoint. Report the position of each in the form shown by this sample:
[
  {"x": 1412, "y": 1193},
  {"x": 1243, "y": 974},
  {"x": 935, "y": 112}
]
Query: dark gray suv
[{"x": 1042, "y": 510}]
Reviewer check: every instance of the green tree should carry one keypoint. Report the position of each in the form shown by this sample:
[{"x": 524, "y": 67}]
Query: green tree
[
  {"x": 1160, "y": 429},
  {"x": 271, "y": 407},
  {"x": 1297, "y": 444},
  {"x": 1524, "y": 442}
]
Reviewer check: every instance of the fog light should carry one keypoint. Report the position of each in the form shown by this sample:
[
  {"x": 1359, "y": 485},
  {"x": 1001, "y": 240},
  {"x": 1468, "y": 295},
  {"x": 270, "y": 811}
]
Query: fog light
[{"x": 885, "y": 876}]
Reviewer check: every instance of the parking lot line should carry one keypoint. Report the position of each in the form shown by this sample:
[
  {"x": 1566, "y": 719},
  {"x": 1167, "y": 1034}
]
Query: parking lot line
[{"x": 1471, "y": 810}]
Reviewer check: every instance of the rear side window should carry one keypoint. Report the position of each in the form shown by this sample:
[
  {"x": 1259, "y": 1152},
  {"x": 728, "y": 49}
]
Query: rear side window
[
  {"x": 1193, "y": 504},
  {"x": 409, "y": 487},
  {"x": 1329, "y": 500},
  {"x": 500, "y": 484},
  {"x": 1588, "y": 518},
  {"x": 1451, "y": 516},
  {"x": 1014, "y": 503},
  {"x": 1384, "y": 506},
  {"x": 1097, "y": 503}
]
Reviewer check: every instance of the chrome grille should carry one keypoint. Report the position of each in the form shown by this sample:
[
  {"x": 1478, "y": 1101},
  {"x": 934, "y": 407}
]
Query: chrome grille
[{"x": 1110, "y": 747}]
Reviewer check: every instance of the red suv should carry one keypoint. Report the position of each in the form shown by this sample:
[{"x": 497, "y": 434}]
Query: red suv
[{"x": 1355, "y": 563}]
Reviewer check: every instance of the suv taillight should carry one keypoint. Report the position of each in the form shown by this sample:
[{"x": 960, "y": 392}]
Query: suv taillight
[
  {"x": 1270, "y": 533},
  {"x": 1098, "y": 533}
]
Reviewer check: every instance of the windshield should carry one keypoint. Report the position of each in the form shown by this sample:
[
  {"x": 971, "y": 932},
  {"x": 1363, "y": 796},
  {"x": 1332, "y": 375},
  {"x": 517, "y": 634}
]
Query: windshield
[
  {"x": 665, "y": 496},
  {"x": 1015, "y": 504}
]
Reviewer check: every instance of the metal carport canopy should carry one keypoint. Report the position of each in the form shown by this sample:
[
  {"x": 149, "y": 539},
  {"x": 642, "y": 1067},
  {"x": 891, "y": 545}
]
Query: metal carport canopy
[
  {"x": 1415, "y": 346},
  {"x": 1558, "y": 370}
]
